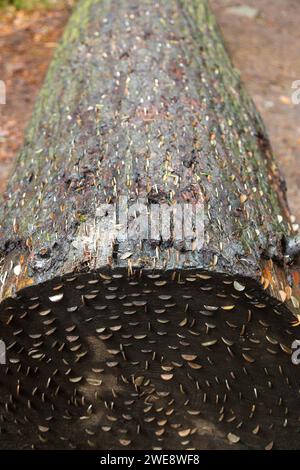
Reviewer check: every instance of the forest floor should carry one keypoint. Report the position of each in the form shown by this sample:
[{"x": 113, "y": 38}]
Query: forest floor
[{"x": 262, "y": 37}]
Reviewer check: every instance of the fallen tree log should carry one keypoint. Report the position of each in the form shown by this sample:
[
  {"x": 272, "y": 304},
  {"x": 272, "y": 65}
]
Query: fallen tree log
[{"x": 148, "y": 297}]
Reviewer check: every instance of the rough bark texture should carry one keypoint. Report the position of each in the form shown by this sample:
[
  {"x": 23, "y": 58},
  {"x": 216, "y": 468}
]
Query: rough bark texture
[{"x": 142, "y": 101}]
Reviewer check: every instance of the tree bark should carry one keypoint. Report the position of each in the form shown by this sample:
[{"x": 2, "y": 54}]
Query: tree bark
[{"x": 109, "y": 338}]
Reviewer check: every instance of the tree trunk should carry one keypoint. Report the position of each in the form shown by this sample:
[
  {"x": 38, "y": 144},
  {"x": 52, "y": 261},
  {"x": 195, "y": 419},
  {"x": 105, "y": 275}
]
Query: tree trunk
[{"x": 148, "y": 287}]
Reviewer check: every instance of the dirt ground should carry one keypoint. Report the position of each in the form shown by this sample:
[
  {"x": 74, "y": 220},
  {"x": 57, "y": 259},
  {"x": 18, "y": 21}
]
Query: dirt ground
[
  {"x": 265, "y": 50},
  {"x": 27, "y": 43},
  {"x": 263, "y": 42}
]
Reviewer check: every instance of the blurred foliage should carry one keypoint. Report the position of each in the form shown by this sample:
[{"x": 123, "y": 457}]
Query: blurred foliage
[{"x": 30, "y": 4}]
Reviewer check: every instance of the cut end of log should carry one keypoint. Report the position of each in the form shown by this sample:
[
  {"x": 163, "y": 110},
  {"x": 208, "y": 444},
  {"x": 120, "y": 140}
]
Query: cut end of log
[{"x": 111, "y": 360}]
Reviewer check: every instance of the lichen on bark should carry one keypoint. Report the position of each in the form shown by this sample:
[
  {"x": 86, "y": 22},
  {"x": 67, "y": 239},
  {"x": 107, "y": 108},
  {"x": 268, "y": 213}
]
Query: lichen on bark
[{"x": 140, "y": 98}]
